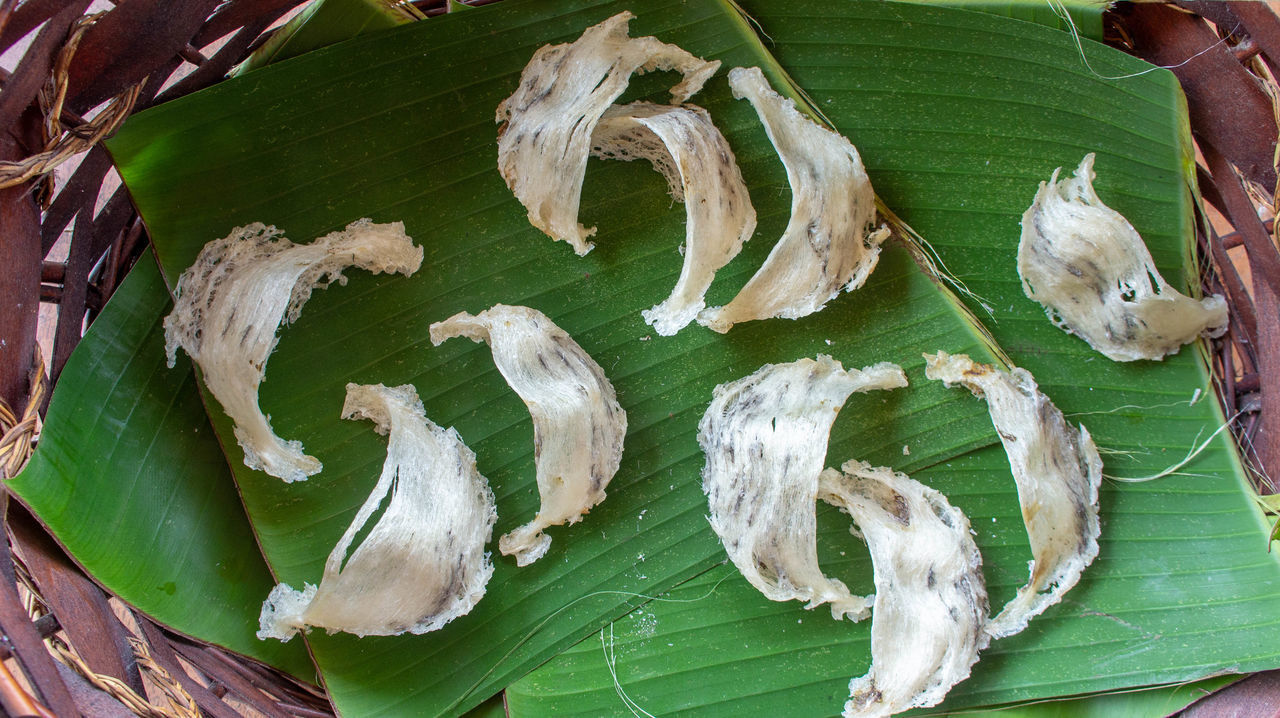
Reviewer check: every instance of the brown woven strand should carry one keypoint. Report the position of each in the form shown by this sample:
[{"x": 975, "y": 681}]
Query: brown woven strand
[
  {"x": 63, "y": 142},
  {"x": 110, "y": 684},
  {"x": 15, "y": 699},
  {"x": 181, "y": 703},
  {"x": 17, "y": 434},
  {"x": 178, "y": 703}
]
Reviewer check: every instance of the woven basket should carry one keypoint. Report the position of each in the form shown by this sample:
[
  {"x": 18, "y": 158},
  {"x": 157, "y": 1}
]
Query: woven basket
[{"x": 76, "y": 650}]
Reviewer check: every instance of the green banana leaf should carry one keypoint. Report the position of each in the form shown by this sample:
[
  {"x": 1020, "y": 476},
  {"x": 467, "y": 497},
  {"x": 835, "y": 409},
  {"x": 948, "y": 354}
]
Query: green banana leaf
[
  {"x": 164, "y": 587},
  {"x": 956, "y": 133},
  {"x": 323, "y": 23},
  {"x": 246, "y": 139},
  {"x": 1134, "y": 703},
  {"x": 480, "y": 249},
  {"x": 208, "y": 556},
  {"x": 128, "y": 477},
  {"x": 495, "y": 707},
  {"x": 662, "y": 641},
  {"x": 1082, "y": 16}
]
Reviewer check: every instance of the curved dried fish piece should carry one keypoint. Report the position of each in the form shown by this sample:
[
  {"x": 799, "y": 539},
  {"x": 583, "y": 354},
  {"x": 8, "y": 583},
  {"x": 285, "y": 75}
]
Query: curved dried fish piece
[
  {"x": 765, "y": 438},
  {"x": 578, "y": 426},
  {"x": 931, "y": 599},
  {"x": 423, "y": 562},
  {"x": 1094, "y": 276},
  {"x": 831, "y": 243},
  {"x": 543, "y": 147},
  {"x": 684, "y": 145},
  {"x": 1057, "y": 470},
  {"x": 231, "y": 301}
]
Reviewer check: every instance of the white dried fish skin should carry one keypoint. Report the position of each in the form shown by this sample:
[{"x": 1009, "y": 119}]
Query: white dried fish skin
[
  {"x": 232, "y": 299},
  {"x": 1057, "y": 471},
  {"x": 931, "y": 599},
  {"x": 578, "y": 425},
  {"x": 423, "y": 563},
  {"x": 543, "y": 147},
  {"x": 830, "y": 243},
  {"x": 684, "y": 145},
  {"x": 765, "y": 439},
  {"x": 1095, "y": 277}
]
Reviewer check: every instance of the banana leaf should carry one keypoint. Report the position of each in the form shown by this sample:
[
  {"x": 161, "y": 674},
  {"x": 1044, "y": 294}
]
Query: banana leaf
[
  {"x": 316, "y": 143},
  {"x": 181, "y": 451},
  {"x": 1084, "y": 17},
  {"x": 650, "y": 534},
  {"x": 180, "y": 498},
  {"x": 323, "y": 23},
  {"x": 1134, "y": 703},
  {"x": 130, "y": 480},
  {"x": 957, "y": 129}
]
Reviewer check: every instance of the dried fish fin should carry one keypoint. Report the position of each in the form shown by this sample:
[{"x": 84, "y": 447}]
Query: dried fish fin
[
  {"x": 1095, "y": 277},
  {"x": 831, "y": 243},
  {"x": 549, "y": 119},
  {"x": 931, "y": 599},
  {"x": 765, "y": 439},
  {"x": 578, "y": 426},
  {"x": 1057, "y": 470},
  {"x": 423, "y": 563},
  {"x": 684, "y": 145},
  {"x": 231, "y": 301}
]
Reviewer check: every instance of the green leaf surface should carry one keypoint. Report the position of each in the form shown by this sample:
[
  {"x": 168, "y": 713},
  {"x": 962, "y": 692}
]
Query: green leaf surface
[
  {"x": 323, "y": 23},
  {"x": 664, "y": 638},
  {"x": 1084, "y": 17},
  {"x": 129, "y": 479},
  {"x": 495, "y": 707},
  {"x": 269, "y": 142},
  {"x": 1136, "y": 703},
  {"x": 958, "y": 117},
  {"x": 399, "y": 127}
]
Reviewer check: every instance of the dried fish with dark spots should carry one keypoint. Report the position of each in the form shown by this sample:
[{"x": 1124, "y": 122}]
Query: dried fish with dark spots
[
  {"x": 1057, "y": 470},
  {"x": 231, "y": 301},
  {"x": 831, "y": 243},
  {"x": 550, "y": 118},
  {"x": 1095, "y": 277},
  {"x": 931, "y": 599},
  {"x": 684, "y": 145},
  {"x": 423, "y": 562},
  {"x": 765, "y": 438},
  {"x": 578, "y": 426}
]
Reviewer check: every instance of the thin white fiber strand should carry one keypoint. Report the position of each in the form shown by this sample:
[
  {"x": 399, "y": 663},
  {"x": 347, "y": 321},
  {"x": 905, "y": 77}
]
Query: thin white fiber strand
[
  {"x": 1061, "y": 11},
  {"x": 1191, "y": 455},
  {"x": 532, "y": 632},
  {"x": 611, "y": 660}
]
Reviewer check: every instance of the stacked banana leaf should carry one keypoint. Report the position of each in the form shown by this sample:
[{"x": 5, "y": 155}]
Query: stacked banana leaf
[{"x": 958, "y": 115}]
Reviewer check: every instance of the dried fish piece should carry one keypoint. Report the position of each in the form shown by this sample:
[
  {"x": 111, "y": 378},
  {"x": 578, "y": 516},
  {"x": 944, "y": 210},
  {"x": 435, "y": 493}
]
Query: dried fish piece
[
  {"x": 831, "y": 243},
  {"x": 230, "y": 302},
  {"x": 931, "y": 599},
  {"x": 1096, "y": 279},
  {"x": 684, "y": 145},
  {"x": 543, "y": 147},
  {"x": 578, "y": 426},
  {"x": 423, "y": 562},
  {"x": 1057, "y": 470},
  {"x": 765, "y": 438}
]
